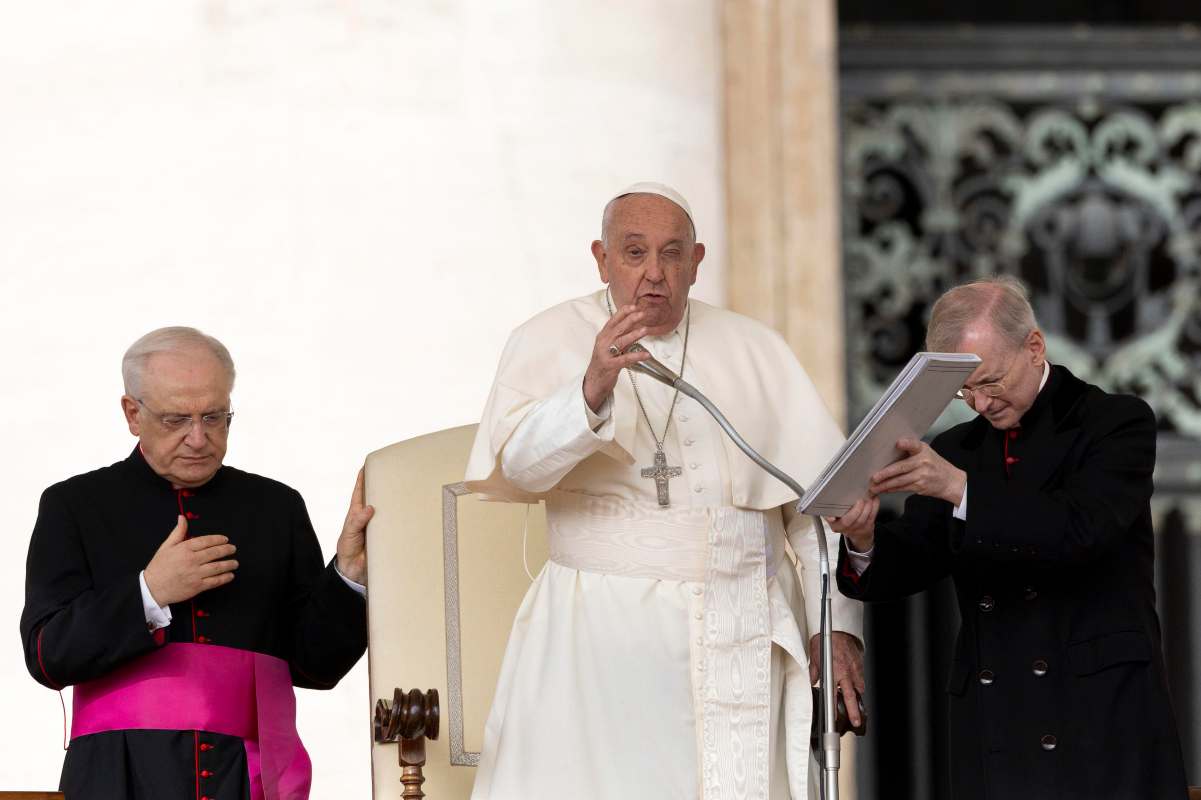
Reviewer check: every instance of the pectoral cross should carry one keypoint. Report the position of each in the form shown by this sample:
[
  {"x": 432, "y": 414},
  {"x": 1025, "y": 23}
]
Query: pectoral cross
[{"x": 660, "y": 473}]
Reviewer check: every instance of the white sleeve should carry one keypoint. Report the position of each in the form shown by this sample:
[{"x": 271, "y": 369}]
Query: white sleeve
[
  {"x": 803, "y": 531},
  {"x": 558, "y": 433},
  {"x": 859, "y": 561},
  {"x": 359, "y": 588},
  {"x": 156, "y": 615},
  {"x": 960, "y": 511}
]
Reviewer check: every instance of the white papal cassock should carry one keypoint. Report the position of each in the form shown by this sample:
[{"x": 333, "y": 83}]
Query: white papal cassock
[{"x": 661, "y": 652}]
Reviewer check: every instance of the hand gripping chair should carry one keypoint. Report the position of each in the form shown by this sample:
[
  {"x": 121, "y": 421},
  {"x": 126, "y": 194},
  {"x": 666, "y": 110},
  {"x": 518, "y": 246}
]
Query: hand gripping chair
[{"x": 446, "y": 575}]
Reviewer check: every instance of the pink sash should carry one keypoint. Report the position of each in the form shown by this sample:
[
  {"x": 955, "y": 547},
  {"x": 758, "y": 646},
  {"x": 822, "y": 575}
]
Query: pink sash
[{"x": 204, "y": 687}]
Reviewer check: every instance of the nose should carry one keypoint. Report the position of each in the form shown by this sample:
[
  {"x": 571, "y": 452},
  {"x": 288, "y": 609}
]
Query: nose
[
  {"x": 196, "y": 436},
  {"x": 981, "y": 402},
  {"x": 654, "y": 269}
]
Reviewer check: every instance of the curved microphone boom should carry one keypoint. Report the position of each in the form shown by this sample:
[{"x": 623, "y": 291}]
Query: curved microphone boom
[{"x": 831, "y": 755}]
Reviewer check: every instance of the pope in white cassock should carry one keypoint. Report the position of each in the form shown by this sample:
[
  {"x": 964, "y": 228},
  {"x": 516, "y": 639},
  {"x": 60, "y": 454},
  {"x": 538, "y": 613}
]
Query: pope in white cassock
[{"x": 664, "y": 650}]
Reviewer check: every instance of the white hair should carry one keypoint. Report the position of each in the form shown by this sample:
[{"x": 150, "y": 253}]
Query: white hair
[
  {"x": 1002, "y": 300},
  {"x": 174, "y": 339}
]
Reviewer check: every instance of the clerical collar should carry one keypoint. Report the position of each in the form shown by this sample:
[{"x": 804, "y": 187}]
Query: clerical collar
[
  {"x": 139, "y": 464},
  {"x": 1041, "y": 400}
]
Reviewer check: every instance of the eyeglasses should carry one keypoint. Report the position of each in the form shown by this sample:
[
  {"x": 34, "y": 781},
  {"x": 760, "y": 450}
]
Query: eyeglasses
[
  {"x": 212, "y": 421},
  {"x": 989, "y": 390}
]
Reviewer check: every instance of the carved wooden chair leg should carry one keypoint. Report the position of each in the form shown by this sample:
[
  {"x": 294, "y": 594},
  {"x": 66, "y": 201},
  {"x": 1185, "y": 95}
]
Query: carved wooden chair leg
[{"x": 410, "y": 720}]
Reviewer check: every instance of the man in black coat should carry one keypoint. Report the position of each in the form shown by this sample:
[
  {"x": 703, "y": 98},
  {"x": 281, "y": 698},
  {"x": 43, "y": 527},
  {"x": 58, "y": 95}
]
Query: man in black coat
[
  {"x": 1039, "y": 510},
  {"x": 183, "y": 599}
]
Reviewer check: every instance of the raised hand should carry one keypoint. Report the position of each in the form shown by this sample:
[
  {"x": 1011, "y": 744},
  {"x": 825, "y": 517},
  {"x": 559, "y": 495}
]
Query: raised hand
[
  {"x": 609, "y": 357},
  {"x": 183, "y": 568}
]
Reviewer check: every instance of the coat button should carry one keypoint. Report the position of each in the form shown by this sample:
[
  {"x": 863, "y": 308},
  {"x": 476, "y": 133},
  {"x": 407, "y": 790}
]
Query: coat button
[
  {"x": 1049, "y": 742},
  {"x": 1039, "y": 668},
  {"x": 986, "y": 603},
  {"x": 205, "y": 747},
  {"x": 203, "y": 639},
  {"x": 206, "y": 773},
  {"x": 1031, "y": 593},
  {"x": 987, "y": 677}
]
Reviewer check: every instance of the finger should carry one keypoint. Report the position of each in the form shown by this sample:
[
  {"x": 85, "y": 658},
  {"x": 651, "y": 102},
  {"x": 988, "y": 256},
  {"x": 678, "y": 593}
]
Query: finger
[
  {"x": 620, "y": 322},
  {"x": 894, "y": 469},
  {"x": 180, "y": 531},
  {"x": 218, "y": 567},
  {"x": 359, "y": 496},
  {"x": 909, "y": 445},
  {"x": 628, "y": 359},
  {"x": 215, "y": 552},
  {"x": 216, "y": 580},
  {"x": 626, "y": 339},
  {"x": 850, "y": 696},
  {"x": 358, "y": 518},
  {"x": 205, "y": 542},
  {"x": 873, "y": 512}
]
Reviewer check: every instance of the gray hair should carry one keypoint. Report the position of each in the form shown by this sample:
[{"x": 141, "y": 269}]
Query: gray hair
[
  {"x": 174, "y": 339},
  {"x": 1002, "y": 300},
  {"x": 611, "y": 210}
]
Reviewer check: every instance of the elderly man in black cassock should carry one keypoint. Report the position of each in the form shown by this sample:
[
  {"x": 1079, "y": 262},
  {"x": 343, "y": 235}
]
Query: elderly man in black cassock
[
  {"x": 183, "y": 599},
  {"x": 1039, "y": 510}
]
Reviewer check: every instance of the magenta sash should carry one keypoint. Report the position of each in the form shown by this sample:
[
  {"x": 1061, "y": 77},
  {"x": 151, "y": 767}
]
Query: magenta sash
[{"x": 204, "y": 687}]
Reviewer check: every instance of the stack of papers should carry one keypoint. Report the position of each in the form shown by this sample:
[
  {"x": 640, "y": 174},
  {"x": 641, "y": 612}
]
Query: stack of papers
[{"x": 910, "y": 406}]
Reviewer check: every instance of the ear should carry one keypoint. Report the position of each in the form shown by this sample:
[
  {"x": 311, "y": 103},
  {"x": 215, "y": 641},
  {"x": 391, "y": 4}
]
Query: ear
[
  {"x": 602, "y": 266},
  {"x": 698, "y": 255},
  {"x": 1037, "y": 345},
  {"x": 129, "y": 407}
]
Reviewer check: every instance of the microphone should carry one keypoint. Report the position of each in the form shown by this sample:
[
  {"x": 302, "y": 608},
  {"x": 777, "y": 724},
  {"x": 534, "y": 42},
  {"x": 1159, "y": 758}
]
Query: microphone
[{"x": 654, "y": 367}]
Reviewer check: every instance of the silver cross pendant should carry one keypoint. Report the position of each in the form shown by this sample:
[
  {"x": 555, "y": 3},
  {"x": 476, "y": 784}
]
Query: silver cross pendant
[{"x": 660, "y": 473}]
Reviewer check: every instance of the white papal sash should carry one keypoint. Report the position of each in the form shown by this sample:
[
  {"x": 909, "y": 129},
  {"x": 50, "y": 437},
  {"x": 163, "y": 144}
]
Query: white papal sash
[{"x": 730, "y": 552}]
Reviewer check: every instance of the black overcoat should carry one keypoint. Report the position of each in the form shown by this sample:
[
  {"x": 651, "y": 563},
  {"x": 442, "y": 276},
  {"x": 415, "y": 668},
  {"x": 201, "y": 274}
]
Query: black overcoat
[
  {"x": 1057, "y": 687},
  {"x": 83, "y": 613}
]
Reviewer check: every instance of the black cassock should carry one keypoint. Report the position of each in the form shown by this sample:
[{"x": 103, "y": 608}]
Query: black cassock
[
  {"x": 1057, "y": 687},
  {"x": 83, "y": 613}
]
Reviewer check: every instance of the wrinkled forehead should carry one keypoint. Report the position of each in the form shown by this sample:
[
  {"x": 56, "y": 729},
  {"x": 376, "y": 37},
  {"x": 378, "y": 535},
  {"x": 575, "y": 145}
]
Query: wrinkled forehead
[
  {"x": 193, "y": 373},
  {"x": 995, "y": 351}
]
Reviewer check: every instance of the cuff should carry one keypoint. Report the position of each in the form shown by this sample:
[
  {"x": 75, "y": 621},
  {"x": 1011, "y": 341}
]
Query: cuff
[
  {"x": 860, "y": 561},
  {"x": 359, "y": 588},
  {"x": 960, "y": 511},
  {"x": 156, "y": 616},
  {"x": 598, "y": 418}
]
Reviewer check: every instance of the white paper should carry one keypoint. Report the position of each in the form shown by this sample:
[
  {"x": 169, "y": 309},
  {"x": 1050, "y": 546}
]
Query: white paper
[{"x": 906, "y": 409}]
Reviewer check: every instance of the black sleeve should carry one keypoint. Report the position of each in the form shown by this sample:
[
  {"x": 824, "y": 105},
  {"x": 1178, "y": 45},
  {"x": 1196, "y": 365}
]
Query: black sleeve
[
  {"x": 330, "y": 623},
  {"x": 71, "y": 629},
  {"x": 1080, "y": 518},
  {"x": 911, "y": 553}
]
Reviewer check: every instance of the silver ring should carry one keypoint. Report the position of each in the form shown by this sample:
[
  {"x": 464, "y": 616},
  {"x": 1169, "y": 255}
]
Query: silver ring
[{"x": 614, "y": 350}]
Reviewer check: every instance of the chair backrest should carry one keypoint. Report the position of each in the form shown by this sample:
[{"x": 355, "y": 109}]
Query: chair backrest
[{"x": 445, "y": 577}]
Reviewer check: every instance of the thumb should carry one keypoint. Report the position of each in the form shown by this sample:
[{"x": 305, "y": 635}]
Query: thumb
[
  {"x": 180, "y": 531},
  {"x": 909, "y": 445}
]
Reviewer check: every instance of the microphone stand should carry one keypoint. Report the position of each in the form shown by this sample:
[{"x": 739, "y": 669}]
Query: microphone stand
[{"x": 829, "y": 736}]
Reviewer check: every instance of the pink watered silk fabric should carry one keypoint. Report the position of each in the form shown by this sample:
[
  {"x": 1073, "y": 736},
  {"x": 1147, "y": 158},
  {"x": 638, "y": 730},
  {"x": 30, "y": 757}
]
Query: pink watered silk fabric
[{"x": 209, "y": 688}]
